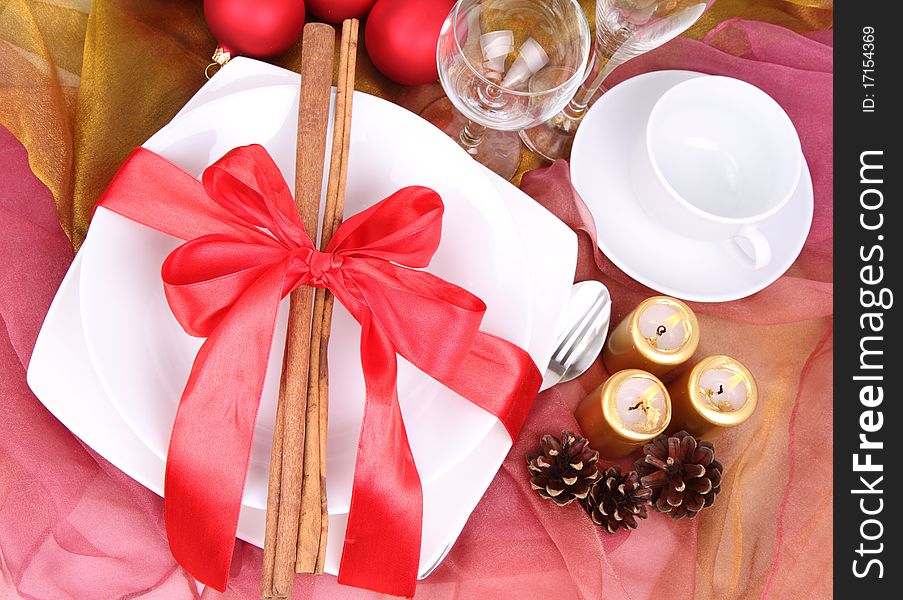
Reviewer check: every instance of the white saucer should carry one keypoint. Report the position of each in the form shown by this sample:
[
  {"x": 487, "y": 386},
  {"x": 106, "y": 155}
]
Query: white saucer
[{"x": 702, "y": 271}]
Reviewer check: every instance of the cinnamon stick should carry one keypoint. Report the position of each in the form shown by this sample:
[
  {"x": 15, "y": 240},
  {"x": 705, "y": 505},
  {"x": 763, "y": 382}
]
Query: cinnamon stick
[
  {"x": 312, "y": 540},
  {"x": 314, "y": 450},
  {"x": 313, "y": 113},
  {"x": 336, "y": 220},
  {"x": 273, "y": 492},
  {"x": 338, "y": 210}
]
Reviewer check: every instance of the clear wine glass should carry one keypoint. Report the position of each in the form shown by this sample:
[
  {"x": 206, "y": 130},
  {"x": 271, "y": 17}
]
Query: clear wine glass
[
  {"x": 507, "y": 65},
  {"x": 625, "y": 29}
]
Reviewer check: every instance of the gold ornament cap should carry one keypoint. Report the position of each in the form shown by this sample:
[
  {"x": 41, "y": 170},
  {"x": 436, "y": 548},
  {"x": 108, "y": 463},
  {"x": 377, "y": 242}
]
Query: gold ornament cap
[{"x": 220, "y": 57}]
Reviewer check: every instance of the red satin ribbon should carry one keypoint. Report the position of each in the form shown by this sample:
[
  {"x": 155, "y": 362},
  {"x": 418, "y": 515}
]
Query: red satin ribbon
[{"x": 247, "y": 250}]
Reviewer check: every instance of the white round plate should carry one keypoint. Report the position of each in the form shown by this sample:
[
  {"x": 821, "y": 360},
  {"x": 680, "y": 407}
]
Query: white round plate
[
  {"x": 661, "y": 259},
  {"x": 143, "y": 357}
]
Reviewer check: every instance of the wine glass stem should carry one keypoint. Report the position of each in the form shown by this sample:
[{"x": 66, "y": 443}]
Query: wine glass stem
[
  {"x": 490, "y": 98},
  {"x": 472, "y": 135},
  {"x": 601, "y": 67}
]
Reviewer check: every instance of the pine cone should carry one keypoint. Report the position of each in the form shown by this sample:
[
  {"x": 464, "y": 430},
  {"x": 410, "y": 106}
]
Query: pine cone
[
  {"x": 616, "y": 501},
  {"x": 682, "y": 472},
  {"x": 563, "y": 469}
]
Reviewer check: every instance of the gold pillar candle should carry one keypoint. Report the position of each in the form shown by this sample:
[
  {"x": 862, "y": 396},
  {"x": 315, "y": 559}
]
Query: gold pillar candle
[
  {"x": 625, "y": 412},
  {"x": 718, "y": 391},
  {"x": 660, "y": 334}
]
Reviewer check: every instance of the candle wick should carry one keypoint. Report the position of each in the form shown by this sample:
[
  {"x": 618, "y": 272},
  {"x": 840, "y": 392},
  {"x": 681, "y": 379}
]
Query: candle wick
[
  {"x": 720, "y": 405},
  {"x": 653, "y": 414},
  {"x": 659, "y": 332}
]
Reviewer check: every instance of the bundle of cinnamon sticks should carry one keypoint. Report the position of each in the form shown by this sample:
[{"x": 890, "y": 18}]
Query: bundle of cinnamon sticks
[{"x": 297, "y": 519}]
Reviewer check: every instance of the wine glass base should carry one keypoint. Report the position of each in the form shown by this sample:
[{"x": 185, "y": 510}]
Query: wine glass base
[
  {"x": 499, "y": 151},
  {"x": 553, "y": 139},
  {"x": 548, "y": 140}
]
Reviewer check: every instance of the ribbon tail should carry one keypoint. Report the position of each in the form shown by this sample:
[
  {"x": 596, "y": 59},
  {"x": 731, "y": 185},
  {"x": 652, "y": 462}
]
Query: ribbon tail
[
  {"x": 499, "y": 377},
  {"x": 383, "y": 536},
  {"x": 435, "y": 325},
  {"x": 210, "y": 447}
]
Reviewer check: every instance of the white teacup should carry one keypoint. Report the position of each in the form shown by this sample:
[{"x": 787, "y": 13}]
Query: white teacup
[{"x": 718, "y": 157}]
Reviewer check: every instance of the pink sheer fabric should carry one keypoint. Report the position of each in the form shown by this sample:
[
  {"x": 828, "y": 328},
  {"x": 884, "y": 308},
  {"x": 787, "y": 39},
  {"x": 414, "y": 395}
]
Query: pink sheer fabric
[{"x": 72, "y": 526}]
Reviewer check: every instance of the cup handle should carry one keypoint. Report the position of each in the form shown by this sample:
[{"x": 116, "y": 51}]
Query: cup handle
[{"x": 759, "y": 253}]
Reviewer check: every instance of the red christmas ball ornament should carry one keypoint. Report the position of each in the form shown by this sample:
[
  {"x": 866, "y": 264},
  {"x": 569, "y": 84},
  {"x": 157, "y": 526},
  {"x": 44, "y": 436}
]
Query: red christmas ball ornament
[
  {"x": 401, "y": 38},
  {"x": 336, "y": 11},
  {"x": 255, "y": 28}
]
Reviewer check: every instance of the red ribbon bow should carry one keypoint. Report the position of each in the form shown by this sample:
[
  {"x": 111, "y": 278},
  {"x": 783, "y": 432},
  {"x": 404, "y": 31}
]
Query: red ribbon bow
[{"x": 247, "y": 250}]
